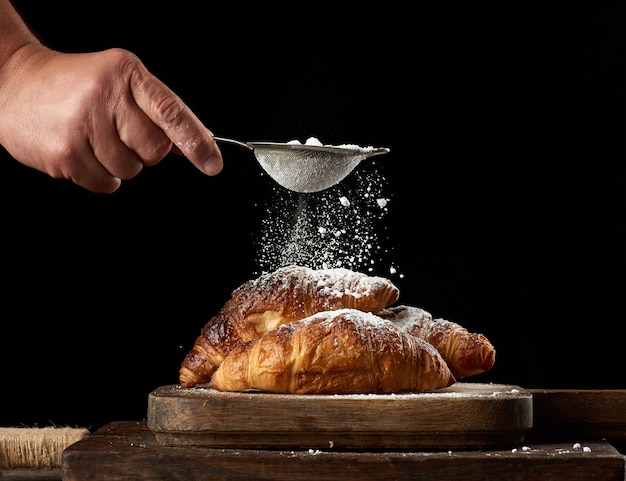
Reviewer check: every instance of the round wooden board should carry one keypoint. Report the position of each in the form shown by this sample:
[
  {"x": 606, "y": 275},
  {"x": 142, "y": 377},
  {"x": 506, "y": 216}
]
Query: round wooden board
[{"x": 464, "y": 415}]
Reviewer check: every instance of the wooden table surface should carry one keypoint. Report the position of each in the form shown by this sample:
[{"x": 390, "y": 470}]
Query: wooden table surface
[{"x": 129, "y": 451}]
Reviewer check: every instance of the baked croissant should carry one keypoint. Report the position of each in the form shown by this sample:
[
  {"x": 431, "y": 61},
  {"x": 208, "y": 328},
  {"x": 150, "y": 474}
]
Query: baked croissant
[
  {"x": 467, "y": 353},
  {"x": 283, "y": 296},
  {"x": 334, "y": 352}
]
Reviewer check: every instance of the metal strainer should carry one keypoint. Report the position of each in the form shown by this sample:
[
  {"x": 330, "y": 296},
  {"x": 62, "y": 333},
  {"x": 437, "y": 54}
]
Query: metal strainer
[{"x": 307, "y": 167}]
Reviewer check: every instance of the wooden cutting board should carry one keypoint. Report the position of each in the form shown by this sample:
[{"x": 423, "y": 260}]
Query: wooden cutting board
[{"x": 462, "y": 416}]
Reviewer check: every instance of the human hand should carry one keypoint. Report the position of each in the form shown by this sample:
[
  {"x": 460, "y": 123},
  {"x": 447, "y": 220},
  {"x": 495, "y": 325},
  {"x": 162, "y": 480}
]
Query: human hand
[{"x": 95, "y": 118}]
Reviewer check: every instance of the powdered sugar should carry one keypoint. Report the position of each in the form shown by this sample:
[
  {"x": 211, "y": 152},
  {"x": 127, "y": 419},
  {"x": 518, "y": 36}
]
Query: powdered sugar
[
  {"x": 372, "y": 330},
  {"x": 316, "y": 142},
  {"x": 406, "y": 317},
  {"x": 354, "y": 316},
  {"x": 340, "y": 281},
  {"x": 327, "y": 283}
]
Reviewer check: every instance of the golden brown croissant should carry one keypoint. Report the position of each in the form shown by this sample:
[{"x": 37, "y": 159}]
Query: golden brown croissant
[
  {"x": 466, "y": 353},
  {"x": 283, "y": 296},
  {"x": 331, "y": 352}
]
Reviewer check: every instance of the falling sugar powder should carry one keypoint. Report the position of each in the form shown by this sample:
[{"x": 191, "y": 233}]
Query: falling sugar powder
[{"x": 338, "y": 227}]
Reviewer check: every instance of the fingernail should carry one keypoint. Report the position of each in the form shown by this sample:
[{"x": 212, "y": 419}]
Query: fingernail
[{"x": 213, "y": 165}]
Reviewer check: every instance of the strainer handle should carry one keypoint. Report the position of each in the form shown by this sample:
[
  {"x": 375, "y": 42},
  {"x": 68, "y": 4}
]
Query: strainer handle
[{"x": 234, "y": 142}]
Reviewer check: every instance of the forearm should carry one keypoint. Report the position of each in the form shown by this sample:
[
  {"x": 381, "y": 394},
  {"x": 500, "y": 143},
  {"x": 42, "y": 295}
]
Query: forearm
[{"x": 14, "y": 33}]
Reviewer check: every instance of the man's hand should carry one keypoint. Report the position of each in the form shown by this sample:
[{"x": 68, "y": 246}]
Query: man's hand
[{"x": 95, "y": 118}]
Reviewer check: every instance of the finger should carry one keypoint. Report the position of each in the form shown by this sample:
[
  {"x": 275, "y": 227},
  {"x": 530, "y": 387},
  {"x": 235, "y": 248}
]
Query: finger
[
  {"x": 84, "y": 169},
  {"x": 113, "y": 154},
  {"x": 142, "y": 136},
  {"x": 176, "y": 120}
]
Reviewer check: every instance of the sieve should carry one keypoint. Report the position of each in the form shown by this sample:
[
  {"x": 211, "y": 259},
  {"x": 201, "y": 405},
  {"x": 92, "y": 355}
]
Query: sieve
[{"x": 307, "y": 167}]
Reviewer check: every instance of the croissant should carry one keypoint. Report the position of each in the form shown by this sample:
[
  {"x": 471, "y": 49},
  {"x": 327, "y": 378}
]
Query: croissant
[
  {"x": 285, "y": 295},
  {"x": 466, "y": 353},
  {"x": 334, "y": 352}
]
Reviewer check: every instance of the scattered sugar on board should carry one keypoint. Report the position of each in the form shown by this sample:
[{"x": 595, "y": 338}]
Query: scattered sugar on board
[
  {"x": 342, "y": 226},
  {"x": 576, "y": 447}
]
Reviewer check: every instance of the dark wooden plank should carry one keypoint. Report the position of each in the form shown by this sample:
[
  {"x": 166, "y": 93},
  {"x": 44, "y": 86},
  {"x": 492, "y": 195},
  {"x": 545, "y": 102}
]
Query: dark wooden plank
[
  {"x": 123, "y": 451},
  {"x": 24, "y": 474},
  {"x": 464, "y": 416},
  {"x": 582, "y": 413}
]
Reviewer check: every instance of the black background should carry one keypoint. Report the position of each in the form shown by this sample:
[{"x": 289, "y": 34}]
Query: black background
[{"x": 506, "y": 178}]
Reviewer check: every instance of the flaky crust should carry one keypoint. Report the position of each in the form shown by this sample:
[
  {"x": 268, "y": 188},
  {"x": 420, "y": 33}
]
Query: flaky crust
[
  {"x": 334, "y": 352},
  {"x": 286, "y": 295},
  {"x": 467, "y": 353}
]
